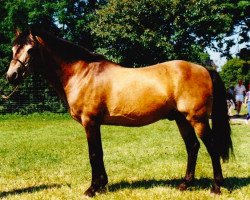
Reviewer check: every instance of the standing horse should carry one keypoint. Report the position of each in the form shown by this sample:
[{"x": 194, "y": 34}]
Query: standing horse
[{"x": 98, "y": 91}]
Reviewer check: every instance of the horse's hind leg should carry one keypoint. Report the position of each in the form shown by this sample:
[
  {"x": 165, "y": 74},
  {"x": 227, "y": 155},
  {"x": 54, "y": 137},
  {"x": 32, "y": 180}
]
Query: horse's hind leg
[
  {"x": 205, "y": 133},
  {"x": 192, "y": 147}
]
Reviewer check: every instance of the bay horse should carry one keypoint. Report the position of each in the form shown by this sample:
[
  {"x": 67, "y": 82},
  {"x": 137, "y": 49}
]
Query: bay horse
[{"x": 100, "y": 92}]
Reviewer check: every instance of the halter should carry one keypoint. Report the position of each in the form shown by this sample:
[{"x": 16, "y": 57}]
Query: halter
[
  {"x": 23, "y": 65},
  {"x": 24, "y": 68}
]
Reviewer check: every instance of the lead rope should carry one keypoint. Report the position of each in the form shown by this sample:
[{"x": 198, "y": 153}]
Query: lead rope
[{"x": 6, "y": 97}]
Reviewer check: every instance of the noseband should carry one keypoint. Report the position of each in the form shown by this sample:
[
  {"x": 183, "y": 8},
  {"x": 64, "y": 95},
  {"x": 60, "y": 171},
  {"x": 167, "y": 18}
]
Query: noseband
[{"x": 24, "y": 65}]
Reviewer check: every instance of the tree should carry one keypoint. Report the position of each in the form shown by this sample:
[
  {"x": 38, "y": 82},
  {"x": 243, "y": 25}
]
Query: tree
[
  {"x": 240, "y": 19},
  {"x": 244, "y": 54},
  {"x": 234, "y": 70},
  {"x": 149, "y": 31},
  {"x": 73, "y": 19},
  {"x": 67, "y": 19},
  {"x": 130, "y": 32}
]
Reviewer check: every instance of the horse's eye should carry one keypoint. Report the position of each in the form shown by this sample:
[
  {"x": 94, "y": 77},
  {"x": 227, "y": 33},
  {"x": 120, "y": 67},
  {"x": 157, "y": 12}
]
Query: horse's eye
[{"x": 31, "y": 51}]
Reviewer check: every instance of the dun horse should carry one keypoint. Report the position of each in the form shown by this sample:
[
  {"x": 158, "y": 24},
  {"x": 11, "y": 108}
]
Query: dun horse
[{"x": 98, "y": 91}]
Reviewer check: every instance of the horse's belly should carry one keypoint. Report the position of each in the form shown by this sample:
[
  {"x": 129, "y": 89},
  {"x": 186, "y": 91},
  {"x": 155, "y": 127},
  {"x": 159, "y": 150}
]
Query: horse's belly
[{"x": 133, "y": 121}]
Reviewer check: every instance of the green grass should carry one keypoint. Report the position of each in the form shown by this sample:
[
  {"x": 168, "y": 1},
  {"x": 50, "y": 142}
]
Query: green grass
[{"x": 44, "y": 156}]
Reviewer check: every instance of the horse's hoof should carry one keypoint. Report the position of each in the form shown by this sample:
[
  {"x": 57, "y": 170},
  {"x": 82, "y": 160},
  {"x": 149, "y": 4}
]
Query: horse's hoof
[
  {"x": 185, "y": 184},
  {"x": 91, "y": 191},
  {"x": 102, "y": 190},
  {"x": 215, "y": 190},
  {"x": 182, "y": 186}
]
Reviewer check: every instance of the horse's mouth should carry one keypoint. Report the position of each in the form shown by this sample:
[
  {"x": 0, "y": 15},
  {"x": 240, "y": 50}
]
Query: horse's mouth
[{"x": 15, "y": 80}]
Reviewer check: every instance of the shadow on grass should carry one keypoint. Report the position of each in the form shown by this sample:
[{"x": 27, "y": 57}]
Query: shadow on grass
[
  {"x": 30, "y": 189},
  {"x": 231, "y": 183}
]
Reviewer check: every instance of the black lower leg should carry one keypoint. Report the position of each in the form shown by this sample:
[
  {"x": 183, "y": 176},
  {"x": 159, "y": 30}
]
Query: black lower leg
[
  {"x": 192, "y": 146},
  {"x": 99, "y": 178},
  {"x": 218, "y": 177},
  {"x": 191, "y": 164},
  {"x": 99, "y": 175}
]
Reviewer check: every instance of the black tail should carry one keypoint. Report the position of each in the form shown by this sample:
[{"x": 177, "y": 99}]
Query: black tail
[{"x": 220, "y": 119}]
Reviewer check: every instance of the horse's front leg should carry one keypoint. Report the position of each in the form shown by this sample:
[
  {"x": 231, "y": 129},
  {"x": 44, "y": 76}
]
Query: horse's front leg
[{"x": 99, "y": 176}]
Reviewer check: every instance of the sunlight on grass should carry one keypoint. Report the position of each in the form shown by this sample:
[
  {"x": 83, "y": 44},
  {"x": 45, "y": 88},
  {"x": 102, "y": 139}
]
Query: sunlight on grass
[{"x": 44, "y": 156}]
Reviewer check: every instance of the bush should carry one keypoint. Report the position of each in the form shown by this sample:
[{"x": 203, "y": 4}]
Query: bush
[{"x": 234, "y": 70}]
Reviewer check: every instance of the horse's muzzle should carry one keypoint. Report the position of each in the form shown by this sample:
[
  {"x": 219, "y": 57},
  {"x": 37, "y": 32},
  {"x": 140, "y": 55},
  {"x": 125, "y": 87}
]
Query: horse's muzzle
[{"x": 14, "y": 77}]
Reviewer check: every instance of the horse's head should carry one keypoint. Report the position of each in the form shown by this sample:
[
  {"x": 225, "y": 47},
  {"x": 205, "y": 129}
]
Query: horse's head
[{"x": 24, "y": 52}]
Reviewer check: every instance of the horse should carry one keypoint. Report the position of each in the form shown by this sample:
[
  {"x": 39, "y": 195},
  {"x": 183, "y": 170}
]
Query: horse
[{"x": 99, "y": 92}]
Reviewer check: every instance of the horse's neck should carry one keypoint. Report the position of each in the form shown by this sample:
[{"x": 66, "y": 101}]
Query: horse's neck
[
  {"x": 59, "y": 72},
  {"x": 63, "y": 61},
  {"x": 55, "y": 81},
  {"x": 51, "y": 69}
]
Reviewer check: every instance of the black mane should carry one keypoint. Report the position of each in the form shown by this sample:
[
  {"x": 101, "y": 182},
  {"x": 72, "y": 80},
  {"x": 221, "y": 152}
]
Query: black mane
[{"x": 65, "y": 49}]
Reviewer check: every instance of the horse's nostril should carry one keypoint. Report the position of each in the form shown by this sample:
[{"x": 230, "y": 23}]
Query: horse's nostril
[{"x": 12, "y": 77}]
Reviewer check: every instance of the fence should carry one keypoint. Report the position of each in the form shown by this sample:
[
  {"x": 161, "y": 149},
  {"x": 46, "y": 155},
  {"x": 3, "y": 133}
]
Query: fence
[{"x": 32, "y": 96}]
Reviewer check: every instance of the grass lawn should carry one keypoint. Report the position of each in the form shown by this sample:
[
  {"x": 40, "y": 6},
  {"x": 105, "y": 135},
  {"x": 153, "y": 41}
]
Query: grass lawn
[{"x": 44, "y": 156}]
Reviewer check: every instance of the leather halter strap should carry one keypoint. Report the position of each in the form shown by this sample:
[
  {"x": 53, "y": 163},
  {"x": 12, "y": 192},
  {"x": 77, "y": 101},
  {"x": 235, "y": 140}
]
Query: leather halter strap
[{"x": 24, "y": 65}]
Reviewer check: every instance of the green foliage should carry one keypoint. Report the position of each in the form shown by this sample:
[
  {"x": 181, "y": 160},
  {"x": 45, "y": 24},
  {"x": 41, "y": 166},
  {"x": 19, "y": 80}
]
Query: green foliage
[
  {"x": 132, "y": 33},
  {"x": 65, "y": 19},
  {"x": 234, "y": 70},
  {"x": 149, "y": 31}
]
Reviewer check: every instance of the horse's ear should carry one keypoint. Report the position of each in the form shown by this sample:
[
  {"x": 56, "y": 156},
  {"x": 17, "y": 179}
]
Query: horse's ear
[{"x": 17, "y": 32}]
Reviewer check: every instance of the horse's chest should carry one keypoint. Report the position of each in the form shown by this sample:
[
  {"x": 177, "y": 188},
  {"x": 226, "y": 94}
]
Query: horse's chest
[{"x": 85, "y": 107}]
